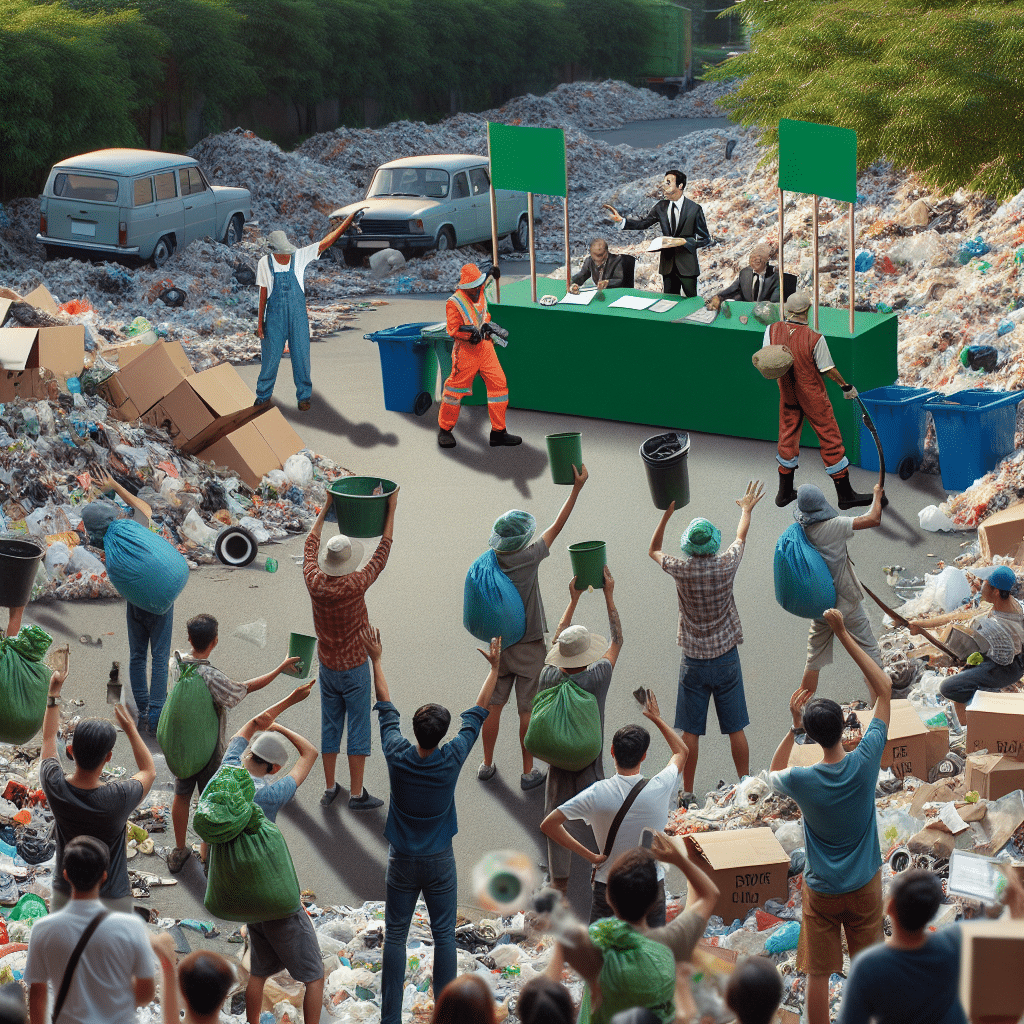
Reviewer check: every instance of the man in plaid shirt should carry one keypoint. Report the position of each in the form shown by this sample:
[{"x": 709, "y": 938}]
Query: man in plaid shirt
[
  {"x": 337, "y": 588},
  {"x": 709, "y": 632}
]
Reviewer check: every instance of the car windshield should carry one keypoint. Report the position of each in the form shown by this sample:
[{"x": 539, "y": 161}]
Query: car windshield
[{"x": 431, "y": 182}]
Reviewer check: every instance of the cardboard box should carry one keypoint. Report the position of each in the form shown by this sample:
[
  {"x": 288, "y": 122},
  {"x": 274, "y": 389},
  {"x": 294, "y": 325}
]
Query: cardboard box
[
  {"x": 936, "y": 744},
  {"x": 994, "y": 775},
  {"x": 995, "y": 722},
  {"x": 256, "y": 448},
  {"x": 906, "y": 750},
  {"x": 1002, "y": 532},
  {"x": 28, "y": 384},
  {"x": 60, "y": 349},
  {"x": 42, "y": 299},
  {"x": 112, "y": 392},
  {"x": 804, "y": 755},
  {"x": 990, "y": 959},
  {"x": 154, "y": 373},
  {"x": 126, "y": 412},
  {"x": 748, "y": 865}
]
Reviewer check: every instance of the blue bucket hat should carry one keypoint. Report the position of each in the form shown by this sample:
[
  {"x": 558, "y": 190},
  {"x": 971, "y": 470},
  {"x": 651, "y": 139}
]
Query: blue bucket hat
[
  {"x": 1004, "y": 578},
  {"x": 811, "y": 506},
  {"x": 512, "y": 531},
  {"x": 701, "y": 538},
  {"x": 97, "y": 517}
]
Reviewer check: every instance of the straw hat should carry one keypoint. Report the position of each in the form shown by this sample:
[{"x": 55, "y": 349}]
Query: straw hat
[
  {"x": 471, "y": 276},
  {"x": 576, "y": 647},
  {"x": 340, "y": 556},
  {"x": 279, "y": 243}
]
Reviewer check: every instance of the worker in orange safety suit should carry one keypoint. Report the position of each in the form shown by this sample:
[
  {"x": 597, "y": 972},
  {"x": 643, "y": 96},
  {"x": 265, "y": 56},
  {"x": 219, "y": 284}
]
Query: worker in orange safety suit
[
  {"x": 802, "y": 394},
  {"x": 469, "y": 323}
]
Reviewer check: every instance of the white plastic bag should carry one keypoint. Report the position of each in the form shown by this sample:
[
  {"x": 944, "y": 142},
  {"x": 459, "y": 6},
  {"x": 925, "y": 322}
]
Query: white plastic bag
[
  {"x": 278, "y": 479},
  {"x": 56, "y": 558},
  {"x": 933, "y": 519},
  {"x": 197, "y": 531},
  {"x": 951, "y": 587},
  {"x": 85, "y": 561},
  {"x": 790, "y": 835},
  {"x": 299, "y": 470}
]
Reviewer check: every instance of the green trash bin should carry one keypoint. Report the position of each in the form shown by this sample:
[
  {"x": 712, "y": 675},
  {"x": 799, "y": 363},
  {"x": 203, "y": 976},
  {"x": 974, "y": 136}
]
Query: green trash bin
[{"x": 443, "y": 344}]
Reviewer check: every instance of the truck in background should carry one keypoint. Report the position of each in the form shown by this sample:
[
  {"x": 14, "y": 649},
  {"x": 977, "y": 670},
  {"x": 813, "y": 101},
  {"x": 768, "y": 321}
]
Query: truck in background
[{"x": 669, "y": 68}]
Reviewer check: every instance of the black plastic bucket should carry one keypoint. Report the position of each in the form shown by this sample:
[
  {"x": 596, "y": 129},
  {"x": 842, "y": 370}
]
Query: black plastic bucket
[
  {"x": 664, "y": 457},
  {"x": 19, "y": 562}
]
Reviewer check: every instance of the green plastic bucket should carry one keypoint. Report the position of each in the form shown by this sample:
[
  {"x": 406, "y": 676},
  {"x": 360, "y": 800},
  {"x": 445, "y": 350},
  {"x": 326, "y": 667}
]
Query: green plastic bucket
[
  {"x": 304, "y": 647},
  {"x": 361, "y": 513},
  {"x": 564, "y": 452},
  {"x": 588, "y": 559}
]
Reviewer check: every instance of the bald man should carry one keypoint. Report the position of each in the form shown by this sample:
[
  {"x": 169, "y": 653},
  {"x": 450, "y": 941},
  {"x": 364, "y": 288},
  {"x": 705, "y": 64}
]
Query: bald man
[
  {"x": 604, "y": 267},
  {"x": 758, "y": 281}
]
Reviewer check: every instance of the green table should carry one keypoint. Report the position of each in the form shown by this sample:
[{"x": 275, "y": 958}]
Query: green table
[{"x": 640, "y": 367}]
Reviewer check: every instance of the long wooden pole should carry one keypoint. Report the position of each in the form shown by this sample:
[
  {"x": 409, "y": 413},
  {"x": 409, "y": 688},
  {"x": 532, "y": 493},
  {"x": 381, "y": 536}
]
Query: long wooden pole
[
  {"x": 852, "y": 257},
  {"x": 533, "y": 253},
  {"x": 782, "y": 236},
  {"x": 568, "y": 265},
  {"x": 814, "y": 228},
  {"x": 494, "y": 220}
]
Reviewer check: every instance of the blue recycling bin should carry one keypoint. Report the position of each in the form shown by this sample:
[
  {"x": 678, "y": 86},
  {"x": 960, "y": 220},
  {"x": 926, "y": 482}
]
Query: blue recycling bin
[
  {"x": 974, "y": 430},
  {"x": 901, "y": 421},
  {"x": 408, "y": 367}
]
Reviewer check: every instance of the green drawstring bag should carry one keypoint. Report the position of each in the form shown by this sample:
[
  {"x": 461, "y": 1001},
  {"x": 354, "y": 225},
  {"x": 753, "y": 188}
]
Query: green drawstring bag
[
  {"x": 188, "y": 728},
  {"x": 225, "y": 806},
  {"x": 565, "y": 727},
  {"x": 24, "y": 682}
]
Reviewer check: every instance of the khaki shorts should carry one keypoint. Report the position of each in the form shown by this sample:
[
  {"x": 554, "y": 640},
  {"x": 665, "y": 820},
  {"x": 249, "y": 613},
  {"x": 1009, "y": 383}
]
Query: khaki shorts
[
  {"x": 520, "y": 665},
  {"x": 858, "y": 913}
]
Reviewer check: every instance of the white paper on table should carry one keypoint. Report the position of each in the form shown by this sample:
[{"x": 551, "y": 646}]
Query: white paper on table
[
  {"x": 951, "y": 819},
  {"x": 583, "y": 299},
  {"x": 632, "y": 302},
  {"x": 663, "y": 306}
]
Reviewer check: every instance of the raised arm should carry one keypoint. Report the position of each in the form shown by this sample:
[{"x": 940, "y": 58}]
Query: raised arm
[
  {"x": 143, "y": 758},
  {"x": 317, "y": 527},
  {"x": 332, "y": 236},
  {"x": 51, "y": 719},
  {"x": 879, "y": 683},
  {"x": 375, "y": 650},
  {"x": 754, "y": 493},
  {"x": 266, "y": 718},
  {"x": 163, "y": 947},
  {"x": 702, "y": 893},
  {"x": 675, "y": 742},
  {"x": 658, "y": 540},
  {"x": 107, "y": 483},
  {"x": 493, "y": 656},
  {"x": 780, "y": 759},
  {"x": 307, "y": 752},
  {"x": 873, "y": 516},
  {"x": 614, "y": 625},
  {"x": 579, "y": 478},
  {"x": 265, "y": 680},
  {"x": 566, "y": 620}
]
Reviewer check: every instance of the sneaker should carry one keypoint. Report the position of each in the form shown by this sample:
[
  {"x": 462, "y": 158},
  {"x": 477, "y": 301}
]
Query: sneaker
[
  {"x": 364, "y": 802},
  {"x": 486, "y": 772},
  {"x": 330, "y": 795},
  {"x": 532, "y": 780},
  {"x": 305, "y": 405},
  {"x": 177, "y": 859}
]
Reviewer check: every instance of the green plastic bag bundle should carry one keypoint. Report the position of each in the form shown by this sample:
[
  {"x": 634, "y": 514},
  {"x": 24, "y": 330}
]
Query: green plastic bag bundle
[
  {"x": 24, "y": 681},
  {"x": 565, "y": 727},
  {"x": 252, "y": 877},
  {"x": 188, "y": 727}
]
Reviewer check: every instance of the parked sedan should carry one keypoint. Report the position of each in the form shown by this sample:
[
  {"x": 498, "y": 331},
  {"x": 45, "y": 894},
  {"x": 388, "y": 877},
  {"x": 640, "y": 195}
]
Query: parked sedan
[{"x": 431, "y": 202}]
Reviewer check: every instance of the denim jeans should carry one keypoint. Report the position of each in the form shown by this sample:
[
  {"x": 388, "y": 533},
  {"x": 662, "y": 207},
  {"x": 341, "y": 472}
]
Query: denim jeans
[
  {"x": 436, "y": 877},
  {"x": 149, "y": 633}
]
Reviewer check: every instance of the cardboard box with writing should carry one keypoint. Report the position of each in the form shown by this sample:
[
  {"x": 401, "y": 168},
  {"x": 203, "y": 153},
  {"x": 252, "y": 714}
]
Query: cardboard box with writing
[
  {"x": 906, "y": 749},
  {"x": 994, "y": 775},
  {"x": 995, "y": 722},
  {"x": 748, "y": 865},
  {"x": 154, "y": 373},
  {"x": 256, "y": 448},
  {"x": 990, "y": 959}
]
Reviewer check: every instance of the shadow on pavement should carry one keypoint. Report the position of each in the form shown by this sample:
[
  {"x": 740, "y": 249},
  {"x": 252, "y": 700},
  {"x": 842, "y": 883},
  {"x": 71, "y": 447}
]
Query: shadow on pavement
[
  {"x": 333, "y": 838},
  {"x": 324, "y": 416}
]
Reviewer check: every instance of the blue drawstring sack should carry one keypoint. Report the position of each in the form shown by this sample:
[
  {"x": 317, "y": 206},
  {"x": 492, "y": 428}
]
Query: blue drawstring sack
[
  {"x": 491, "y": 605},
  {"x": 146, "y": 570},
  {"x": 803, "y": 584}
]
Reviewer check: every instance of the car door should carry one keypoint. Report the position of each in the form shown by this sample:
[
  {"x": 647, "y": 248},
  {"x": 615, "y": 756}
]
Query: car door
[
  {"x": 169, "y": 207},
  {"x": 143, "y": 226},
  {"x": 200, "y": 205},
  {"x": 460, "y": 209},
  {"x": 480, "y": 192}
]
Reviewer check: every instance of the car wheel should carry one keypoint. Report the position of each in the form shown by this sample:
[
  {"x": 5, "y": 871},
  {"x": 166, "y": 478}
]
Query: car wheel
[
  {"x": 233, "y": 235},
  {"x": 353, "y": 257},
  {"x": 521, "y": 236},
  {"x": 445, "y": 240},
  {"x": 164, "y": 251}
]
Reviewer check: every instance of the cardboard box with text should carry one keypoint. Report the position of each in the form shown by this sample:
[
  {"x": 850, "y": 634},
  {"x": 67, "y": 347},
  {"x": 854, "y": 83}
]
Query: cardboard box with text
[
  {"x": 993, "y": 775},
  {"x": 995, "y": 722},
  {"x": 906, "y": 747}
]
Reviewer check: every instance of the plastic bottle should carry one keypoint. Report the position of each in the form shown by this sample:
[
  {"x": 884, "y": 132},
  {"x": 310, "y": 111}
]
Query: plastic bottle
[{"x": 270, "y": 565}]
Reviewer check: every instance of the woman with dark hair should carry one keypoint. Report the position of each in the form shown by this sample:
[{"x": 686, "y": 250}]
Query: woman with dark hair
[
  {"x": 465, "y": 1000},
  {"x": 545, "y": 1001}
]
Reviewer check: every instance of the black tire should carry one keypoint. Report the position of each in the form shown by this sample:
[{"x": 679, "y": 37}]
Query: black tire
[
  {"x": 521, "y": 236},
  {"x": 352, "y": 257},
  {"x": 445, "y": 240},
  {"x": 907, "y": 467},
  {"x": 163, "y": 252},
  {"x": 233, "y": 234},
  {"x": 424, "y": 400}
]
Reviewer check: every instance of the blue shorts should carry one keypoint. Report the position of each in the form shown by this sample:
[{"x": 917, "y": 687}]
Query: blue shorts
[
  {"x": 341, "y": 694},
  {"x": 699, "y": 679}
]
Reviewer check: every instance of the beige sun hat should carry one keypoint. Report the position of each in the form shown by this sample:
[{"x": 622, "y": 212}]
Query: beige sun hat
[
  {"x": 278, "y": 242},
  {"x": 576, "y": 647},
  {"x": 798, "y": 302},
  {"x": 340, "y": 556}
]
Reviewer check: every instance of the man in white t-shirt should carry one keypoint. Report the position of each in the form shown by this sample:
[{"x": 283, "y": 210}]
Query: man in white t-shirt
[
  {"x": 115, "y": 971},
  {"x": 282, "y": 318},
  {"x": 598, "y": 805}
]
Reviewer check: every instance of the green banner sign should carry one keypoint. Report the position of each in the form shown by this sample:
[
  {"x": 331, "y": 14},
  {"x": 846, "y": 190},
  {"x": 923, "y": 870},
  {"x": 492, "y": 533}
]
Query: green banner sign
[
  {"x": 818, "y": 159},
  {"x": 528, "y": 159}
]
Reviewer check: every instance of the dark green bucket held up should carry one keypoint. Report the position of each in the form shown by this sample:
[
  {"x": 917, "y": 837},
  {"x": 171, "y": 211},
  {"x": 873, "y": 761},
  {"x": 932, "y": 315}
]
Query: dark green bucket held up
[
  {"x": 564, "y": 452},
  {"x": 588, "y": 559},
  {"x": 304, "y": 647},
  {"x": 361, "y": 513}
]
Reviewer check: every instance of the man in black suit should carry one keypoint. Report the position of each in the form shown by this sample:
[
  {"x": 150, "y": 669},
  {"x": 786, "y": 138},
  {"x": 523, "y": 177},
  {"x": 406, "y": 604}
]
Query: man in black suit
[
  {"x": 601, "y": 265},
  {"x": 756, "y": 283},
  {"x": 678, "y": 218}
]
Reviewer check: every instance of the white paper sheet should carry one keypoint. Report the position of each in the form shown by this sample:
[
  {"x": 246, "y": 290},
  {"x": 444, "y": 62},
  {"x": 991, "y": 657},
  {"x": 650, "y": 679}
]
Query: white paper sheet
[
  {"x": 583, "y": 299},
  {"x": 632, "y": 302},
  {"x": 951, "y": 819},
  {"x": 663, "y": 306}
]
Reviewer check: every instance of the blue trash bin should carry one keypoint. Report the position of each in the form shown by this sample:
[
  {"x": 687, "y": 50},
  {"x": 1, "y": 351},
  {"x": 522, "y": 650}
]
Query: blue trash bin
[
  {"x": 408, "y": 367},
  {"x": 901, "y": 421},
  {"x": 974, "y": 430}
]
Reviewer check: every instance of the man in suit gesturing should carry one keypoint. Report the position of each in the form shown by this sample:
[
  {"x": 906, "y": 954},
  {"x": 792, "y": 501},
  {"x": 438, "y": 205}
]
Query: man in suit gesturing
[
  {"x": 678, "y": 218},
  {"x": 756, "y": 283}
]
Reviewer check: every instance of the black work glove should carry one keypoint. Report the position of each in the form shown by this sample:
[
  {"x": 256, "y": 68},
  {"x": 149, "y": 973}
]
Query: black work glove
[
  {"x": 471, "y": 335},
  {"x": 358, "y": 216},
  {"x": 495, "y": 272}
]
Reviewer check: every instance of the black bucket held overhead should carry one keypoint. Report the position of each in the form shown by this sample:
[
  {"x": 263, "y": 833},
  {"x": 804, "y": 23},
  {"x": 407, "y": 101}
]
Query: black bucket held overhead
[
  {"x": 19, "y": 561},
  {"x": 664, "y": 458}
]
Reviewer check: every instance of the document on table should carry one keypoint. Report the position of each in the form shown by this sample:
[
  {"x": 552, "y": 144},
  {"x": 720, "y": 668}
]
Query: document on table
[
  {"x": 663, "y": 306},
  {"x": 632, "y": 302},
  {"x": 583, "y": 299},
  {"x": 702, "y": 316}
]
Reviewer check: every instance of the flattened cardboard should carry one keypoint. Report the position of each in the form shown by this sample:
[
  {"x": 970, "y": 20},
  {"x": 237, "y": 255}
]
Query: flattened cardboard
[
  {"x": 906, "y": 750},
  {"x": 995, "y": 722},
  {"x": 155, "y": 373},
  {"x": 990, "y": 959},
  {"x": 748, "y": 865},
  {"x": 42, "y": 299},
  {"x": 1002, "y": 532},
  {"x": 804, "y": 755},
  {"x": 994, "y": 775}
]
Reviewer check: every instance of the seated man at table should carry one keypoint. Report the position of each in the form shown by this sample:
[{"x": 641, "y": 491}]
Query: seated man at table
[
  {"x": 604, "y": 267},
  {"x": 758, "y": 281}
]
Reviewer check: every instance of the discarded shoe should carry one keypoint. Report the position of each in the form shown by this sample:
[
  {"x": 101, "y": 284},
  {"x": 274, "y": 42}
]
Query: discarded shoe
[
  {"x": 531, "y": 780},
  {"x": 503, "y": 439},
  {"x": 365, "y": 802},
  {"x": 445, "y": 438},
  {"x": 486, "y": 772}
]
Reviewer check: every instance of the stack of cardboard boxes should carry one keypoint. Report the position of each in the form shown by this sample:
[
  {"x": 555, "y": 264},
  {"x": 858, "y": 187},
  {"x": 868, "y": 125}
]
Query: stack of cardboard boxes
[{"x": 995, "y": 723}]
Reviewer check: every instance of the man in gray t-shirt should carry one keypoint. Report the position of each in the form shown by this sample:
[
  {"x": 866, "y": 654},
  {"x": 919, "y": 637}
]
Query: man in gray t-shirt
[{"x": 521, "y": 662}]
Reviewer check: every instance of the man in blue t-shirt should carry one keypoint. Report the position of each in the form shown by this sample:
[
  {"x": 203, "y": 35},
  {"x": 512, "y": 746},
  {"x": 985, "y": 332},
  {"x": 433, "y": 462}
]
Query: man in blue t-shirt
[
  {"x": 843, "y": 878},
  {"x": 421, "y": 824}
]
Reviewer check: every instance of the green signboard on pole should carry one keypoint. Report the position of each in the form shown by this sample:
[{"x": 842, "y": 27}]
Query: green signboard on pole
[
  {"x": 818, "y": 160},
  {"x": 527, "y": 159}
]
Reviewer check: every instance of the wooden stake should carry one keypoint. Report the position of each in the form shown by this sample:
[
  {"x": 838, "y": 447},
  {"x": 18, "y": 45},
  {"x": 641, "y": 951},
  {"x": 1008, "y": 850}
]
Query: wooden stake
[
  {"x": 533, "y": 254},
  {"x": 782, "y": 235},
  {"x": 568, "y": 265},
  {"x": 814, "y": 228},
  {"x": 853, "y": 255}
]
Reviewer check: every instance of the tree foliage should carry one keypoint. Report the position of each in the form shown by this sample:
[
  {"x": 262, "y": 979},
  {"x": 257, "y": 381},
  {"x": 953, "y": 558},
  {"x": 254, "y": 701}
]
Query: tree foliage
[{"x": 933, "y": 85}]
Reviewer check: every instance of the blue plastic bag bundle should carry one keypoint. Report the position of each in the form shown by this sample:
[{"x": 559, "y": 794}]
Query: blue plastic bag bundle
[
  {"x": 864, "y": 261},
  {"x": 966, "y": 251},
  {"x": 803, "y": 584},
  {"x": 491, "y": 605},
  {"x": 146, "y": 570}
]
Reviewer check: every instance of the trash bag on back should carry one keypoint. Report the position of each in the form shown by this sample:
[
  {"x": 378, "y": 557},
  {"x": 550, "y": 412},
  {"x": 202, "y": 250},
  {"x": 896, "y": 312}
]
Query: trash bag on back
[
  {"x": 24, "y": 682},
  {"x": 252, "y": 877},
  {"x": 188, "y": 727},
  {"x": 491, "y": 605},
  {"x": 148, "y": 571},
  {"x": 803, "y": 584},
  {"x": 565, "y": 727}
]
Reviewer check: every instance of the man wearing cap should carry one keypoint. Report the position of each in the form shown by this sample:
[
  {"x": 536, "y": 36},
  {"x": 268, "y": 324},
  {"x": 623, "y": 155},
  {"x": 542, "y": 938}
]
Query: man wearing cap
[
  {"x": 521, "y": 662},
  {"x": 603, "y": 267},
  {"x": 829, "y": 532},
  {"x": 758, "y": 282},
  {"x": 337, "y": 587},
  {"x": 282, "y": 318},
  {"x": 802, "y": 394},
  {"x": 467, "y": 320},
  {"x": 709, "y": 633},
  {"x": 1000, "y": 636}
]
